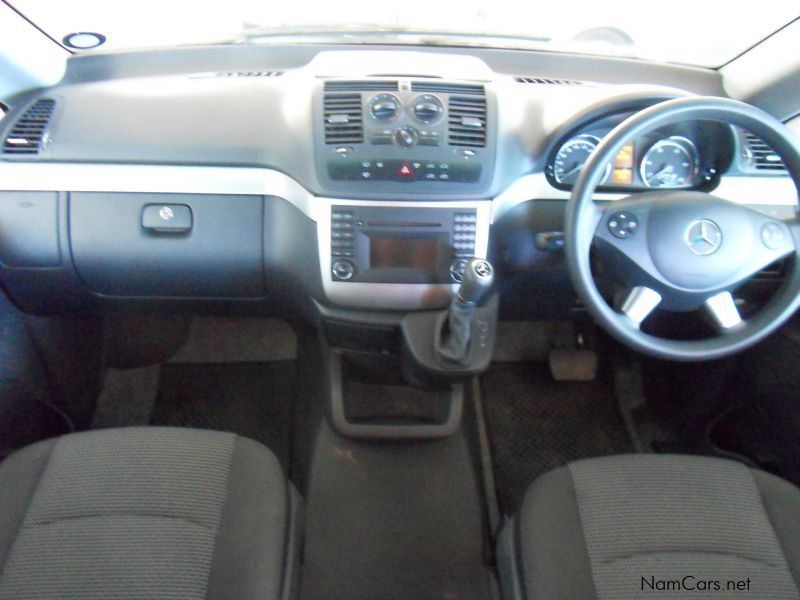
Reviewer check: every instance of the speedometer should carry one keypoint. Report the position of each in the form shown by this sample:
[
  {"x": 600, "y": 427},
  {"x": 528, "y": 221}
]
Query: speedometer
[
  {"x": 670, "y": 163},
  {"x": 571, "y": 157}
]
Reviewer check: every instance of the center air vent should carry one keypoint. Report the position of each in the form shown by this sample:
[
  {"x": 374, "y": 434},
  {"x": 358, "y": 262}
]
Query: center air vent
[
  {"x": 467, "y": 121},
  {"x": 344, "y": 119},
  {"x": 28, "y": 133},
  {"x": 547, "y": 81},
  {"x": 360, "y": 86},
  {"x": 764, "y": 157}
]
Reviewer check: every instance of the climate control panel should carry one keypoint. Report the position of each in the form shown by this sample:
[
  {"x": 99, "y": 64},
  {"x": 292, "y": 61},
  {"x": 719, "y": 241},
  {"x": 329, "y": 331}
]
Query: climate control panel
[
  {"x": 404, "y": 171},
  {"x": 387, "y": 134}
]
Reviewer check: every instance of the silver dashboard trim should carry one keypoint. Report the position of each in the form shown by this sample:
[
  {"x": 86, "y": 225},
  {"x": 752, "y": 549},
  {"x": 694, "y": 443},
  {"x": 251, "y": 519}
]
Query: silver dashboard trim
[
  {"x": 82, "y": 177},
  {"x": 741, "y": 189},
  {"x": 164, "y": 179}
]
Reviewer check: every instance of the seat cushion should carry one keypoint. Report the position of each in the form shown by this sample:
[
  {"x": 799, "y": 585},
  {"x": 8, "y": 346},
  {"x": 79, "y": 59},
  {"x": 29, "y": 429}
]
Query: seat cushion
[
  {"x": 145, "y": 512},
  {"x": 629, "y": 526}
]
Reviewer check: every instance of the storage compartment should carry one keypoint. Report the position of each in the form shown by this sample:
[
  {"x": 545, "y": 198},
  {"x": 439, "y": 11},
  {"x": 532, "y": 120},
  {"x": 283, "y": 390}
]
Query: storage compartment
[
  {"x": 220, "y": 256},
  {"x": 29, "y": 229}
]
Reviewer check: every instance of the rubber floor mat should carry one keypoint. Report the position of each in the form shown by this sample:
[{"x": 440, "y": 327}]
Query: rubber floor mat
[
  {"x": 253, "y": 400},
  {"x": 537, "y": 424}
]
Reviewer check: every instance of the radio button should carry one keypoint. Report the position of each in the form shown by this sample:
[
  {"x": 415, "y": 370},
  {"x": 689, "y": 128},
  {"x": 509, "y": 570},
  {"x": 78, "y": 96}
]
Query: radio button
[{"x": 343, "y": 269}]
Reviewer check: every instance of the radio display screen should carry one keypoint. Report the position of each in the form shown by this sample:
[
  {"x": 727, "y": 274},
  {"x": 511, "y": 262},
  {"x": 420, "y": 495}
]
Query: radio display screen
[{"x": 402, "y": 252}]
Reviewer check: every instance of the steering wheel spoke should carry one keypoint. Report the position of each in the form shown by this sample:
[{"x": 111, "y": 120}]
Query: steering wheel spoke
[
  {"x": 723, "y": 312},
  {"x": 640, "y": 303}
]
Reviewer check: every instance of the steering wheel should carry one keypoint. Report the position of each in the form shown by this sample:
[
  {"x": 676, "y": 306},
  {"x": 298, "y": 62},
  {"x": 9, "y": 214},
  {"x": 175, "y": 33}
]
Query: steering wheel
[{"x": 683, "y": 250}]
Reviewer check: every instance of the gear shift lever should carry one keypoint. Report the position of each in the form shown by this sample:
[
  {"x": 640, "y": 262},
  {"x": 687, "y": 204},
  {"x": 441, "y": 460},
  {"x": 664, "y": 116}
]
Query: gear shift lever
[
  {"x": 452, "y": 335},
  {"x": 476, "y": 281}
]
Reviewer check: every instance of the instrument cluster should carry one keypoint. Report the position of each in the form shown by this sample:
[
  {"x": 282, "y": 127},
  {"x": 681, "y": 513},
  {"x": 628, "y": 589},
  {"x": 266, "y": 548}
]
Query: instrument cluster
[{"x": 690, "y": 156}]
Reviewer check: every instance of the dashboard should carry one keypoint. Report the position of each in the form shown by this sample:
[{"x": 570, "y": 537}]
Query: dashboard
[{"x": 331, "y": 178}]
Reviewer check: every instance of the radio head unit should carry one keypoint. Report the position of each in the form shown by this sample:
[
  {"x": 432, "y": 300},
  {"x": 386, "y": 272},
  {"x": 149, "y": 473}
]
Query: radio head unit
[{"x": 378, "y": 244}]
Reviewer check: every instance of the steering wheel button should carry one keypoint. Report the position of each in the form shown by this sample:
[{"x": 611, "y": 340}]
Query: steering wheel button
[
  {"x": 622, "y": 225},
  {"x": 772, "y": 235}
]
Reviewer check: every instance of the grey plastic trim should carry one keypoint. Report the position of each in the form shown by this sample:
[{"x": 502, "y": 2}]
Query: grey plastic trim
[{"x": 388, "y": 432}]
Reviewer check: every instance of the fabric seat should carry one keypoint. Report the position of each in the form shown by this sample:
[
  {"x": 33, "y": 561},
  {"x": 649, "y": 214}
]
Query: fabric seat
[
  {"x": 635, "y": 526},
  {"x": 146, "y": 512}
]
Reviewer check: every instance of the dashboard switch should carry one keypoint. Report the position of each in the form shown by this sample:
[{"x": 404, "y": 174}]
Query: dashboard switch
[
  {"x": 549, "y": 241},
  {"x": 167, "y": 218},
  {"x": 405, "y": 171}
]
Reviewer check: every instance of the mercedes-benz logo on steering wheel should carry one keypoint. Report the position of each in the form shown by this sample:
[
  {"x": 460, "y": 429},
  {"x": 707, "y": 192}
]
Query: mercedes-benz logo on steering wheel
[{"x": 703, "y": 237}]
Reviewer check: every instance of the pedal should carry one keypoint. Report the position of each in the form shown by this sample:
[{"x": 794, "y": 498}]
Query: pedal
[{"x": 573, "y": 365}]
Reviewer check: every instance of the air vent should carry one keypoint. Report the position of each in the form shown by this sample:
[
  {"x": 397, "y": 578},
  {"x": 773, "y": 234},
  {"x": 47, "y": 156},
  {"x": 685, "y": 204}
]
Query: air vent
[
  {"x": 467, "y": 121},
  {"x": 28, "y": 134},
  {"x": 547, "y": 81},
  {"x": 446, "y": 88},
  {"x": 250, "y": 74},
  {"x": 214, "y": 74},
  {"x": 343, "y": 119},
  {"x": 764, "y": 157},
  {"x": 360, "y": 86}
]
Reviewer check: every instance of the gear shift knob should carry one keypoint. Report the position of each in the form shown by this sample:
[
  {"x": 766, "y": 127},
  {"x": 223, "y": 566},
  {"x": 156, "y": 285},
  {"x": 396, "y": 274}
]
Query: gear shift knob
[{"x": 477, "y": 280}]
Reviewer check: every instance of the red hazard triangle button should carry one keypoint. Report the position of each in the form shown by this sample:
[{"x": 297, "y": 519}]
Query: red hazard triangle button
[{"x": 405, "y": 171}]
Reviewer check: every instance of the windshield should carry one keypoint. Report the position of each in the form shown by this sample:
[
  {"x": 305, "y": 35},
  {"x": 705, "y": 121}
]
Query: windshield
[{"x": 704, "y": 33}]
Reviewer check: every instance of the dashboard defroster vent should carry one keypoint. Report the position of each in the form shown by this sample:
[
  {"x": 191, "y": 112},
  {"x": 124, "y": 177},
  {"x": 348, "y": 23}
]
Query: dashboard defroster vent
[
  {"x": 467, "y": 121},
  {"x": 547, "y": 81},
  {"x": 433, "y": 87},
  {"x": 344, "y": 119},
  {"x": 361, "y": 86},
  {"x": 225, "y": 74},
  {"x": 763, "y": 156},
  {"x": 28, "y": 134}
]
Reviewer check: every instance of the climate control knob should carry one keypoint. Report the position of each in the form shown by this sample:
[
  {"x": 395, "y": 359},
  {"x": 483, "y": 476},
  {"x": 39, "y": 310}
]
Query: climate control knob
[
  {"x": 384, "y": 107},
  {"x": 343, "y": 269},
  {"x": 427, "y": 108},
  {"x": 405, "y": 137}
]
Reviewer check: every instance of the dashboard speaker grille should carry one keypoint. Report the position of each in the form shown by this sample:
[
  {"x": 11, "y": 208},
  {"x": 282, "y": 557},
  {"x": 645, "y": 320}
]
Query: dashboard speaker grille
[
  {"x": 344, "y": 119},
  {"x": 28, "y": 133},
  {"x": 467, "y": 121},
  {"x": 764, "y": 157},
  {"x": 547, "y": 81}
]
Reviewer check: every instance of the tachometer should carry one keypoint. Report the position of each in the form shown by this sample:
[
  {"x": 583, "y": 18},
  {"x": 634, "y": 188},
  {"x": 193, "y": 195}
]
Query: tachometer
[
  {"x": 572, "y": 156},
  {"x": 671, "y": 162}
]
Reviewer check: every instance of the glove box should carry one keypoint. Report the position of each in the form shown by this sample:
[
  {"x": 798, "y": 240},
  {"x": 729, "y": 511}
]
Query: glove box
[{"x": 168, "y": 245}]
